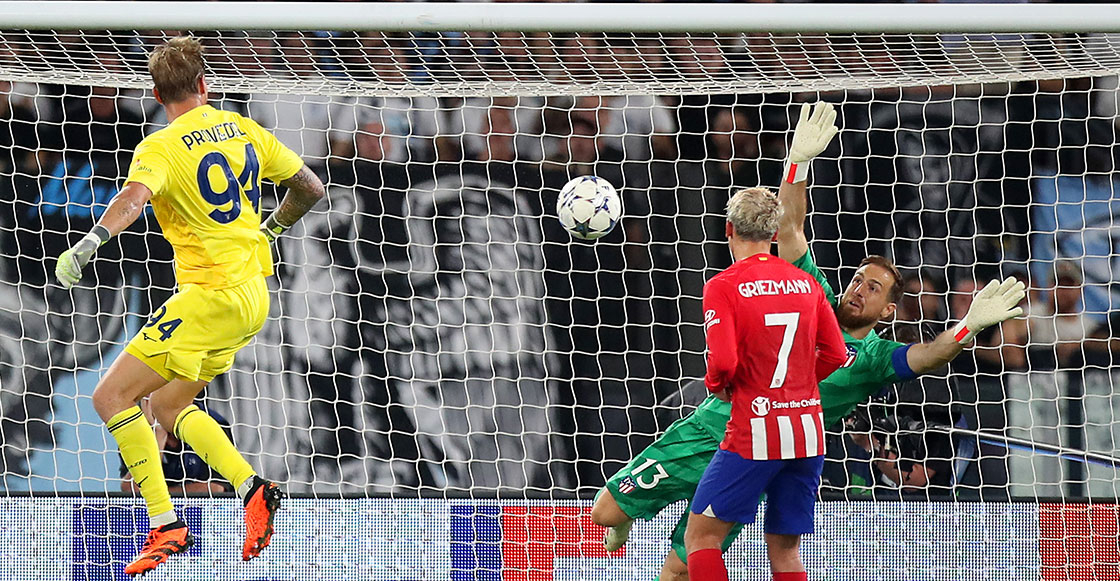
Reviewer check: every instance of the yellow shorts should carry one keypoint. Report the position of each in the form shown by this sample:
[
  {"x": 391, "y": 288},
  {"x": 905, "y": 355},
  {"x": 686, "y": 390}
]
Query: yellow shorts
[{"x": 196, "y": 333}]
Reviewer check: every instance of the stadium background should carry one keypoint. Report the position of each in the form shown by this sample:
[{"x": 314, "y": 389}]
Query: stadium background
[{"x": 353, "y": 390}]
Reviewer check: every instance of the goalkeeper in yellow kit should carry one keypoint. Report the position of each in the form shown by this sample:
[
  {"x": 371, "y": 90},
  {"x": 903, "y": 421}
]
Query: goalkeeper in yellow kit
[{"x": 202, "y": 174}]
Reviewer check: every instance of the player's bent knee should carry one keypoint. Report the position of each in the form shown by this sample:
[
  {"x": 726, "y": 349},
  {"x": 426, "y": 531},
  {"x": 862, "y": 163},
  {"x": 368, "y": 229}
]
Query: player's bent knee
[
  {"x": 784, "y": 552},
  {"x": 674, "y": 568},
  {"x": 170, "y": 400},
  {"x": 166, "y": 416},
  {"x": 783, "y": 543},
  {"x": 606, "y": 512},
  {"x": 124, "y": 385},
  {"x": 110, "y": 400},
  {"x": 103, "y": 403},
  {"x": 701, "y": 541},
  {"x": 704, "y": 532}
]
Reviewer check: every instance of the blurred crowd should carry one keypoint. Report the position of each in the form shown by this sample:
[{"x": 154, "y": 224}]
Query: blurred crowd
[{"x": 940, "y": 178}]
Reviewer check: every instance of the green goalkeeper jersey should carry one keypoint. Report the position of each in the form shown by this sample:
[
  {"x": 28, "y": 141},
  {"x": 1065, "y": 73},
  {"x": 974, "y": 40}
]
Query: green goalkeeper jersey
[{"x": 872, "y": 364}]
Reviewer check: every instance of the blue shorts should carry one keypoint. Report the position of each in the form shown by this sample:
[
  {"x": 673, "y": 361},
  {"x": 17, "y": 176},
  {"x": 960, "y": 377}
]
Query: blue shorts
[{"x": 732, "y": 488}]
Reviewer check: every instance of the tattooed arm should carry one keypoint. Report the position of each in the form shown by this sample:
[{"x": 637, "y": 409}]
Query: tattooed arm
[{"x": 305, "y": 189}]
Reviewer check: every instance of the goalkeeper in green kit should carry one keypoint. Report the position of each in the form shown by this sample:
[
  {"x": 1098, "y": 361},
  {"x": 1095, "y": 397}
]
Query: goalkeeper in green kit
[{"x": 670, "y": 468}]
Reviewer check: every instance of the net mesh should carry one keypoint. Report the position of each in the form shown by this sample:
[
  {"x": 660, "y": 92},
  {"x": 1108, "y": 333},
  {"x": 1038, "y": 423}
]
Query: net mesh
[
  {"x": 464, "y": 64},
  {"x": 435, "y": 331}
]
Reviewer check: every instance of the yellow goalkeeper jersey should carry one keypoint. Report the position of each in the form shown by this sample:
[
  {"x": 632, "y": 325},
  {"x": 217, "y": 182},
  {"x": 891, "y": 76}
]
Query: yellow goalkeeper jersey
[{"x": 205, "y": 170}]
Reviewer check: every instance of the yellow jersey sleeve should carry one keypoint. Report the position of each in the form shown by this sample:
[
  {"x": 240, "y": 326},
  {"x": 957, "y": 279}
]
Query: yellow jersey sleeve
[
  {"x": 150, "y": 167},
  {"x": 278, "y": 162}
]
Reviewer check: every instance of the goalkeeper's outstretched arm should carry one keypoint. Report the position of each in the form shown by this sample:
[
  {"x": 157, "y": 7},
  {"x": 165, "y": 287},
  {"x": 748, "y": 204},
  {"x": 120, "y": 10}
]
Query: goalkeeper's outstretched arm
[
  {"x": 792, "y": 242},
  {"x": 815, "y": 129},
  {"x": 305, "y": 189},
  {"x": 994, "y": 304},
  {"x": 122, "y": 211}
]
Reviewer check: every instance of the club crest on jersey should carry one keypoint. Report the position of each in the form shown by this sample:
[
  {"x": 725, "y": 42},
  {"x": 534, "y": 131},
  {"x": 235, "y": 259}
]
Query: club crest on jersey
[
  {"x": 761, "y": 405},
  {"x": 851, "y": 356},
  {"x": 627, "y": 485}
]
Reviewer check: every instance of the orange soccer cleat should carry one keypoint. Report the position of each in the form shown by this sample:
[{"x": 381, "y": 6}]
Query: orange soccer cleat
[
  {"x": 162, "y": 542},
  {"x": 264, "y": 501}
]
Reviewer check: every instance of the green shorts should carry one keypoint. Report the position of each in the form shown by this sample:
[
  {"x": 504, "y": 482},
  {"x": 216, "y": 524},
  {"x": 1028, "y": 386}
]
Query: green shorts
[{"x": 666, "y": 472}]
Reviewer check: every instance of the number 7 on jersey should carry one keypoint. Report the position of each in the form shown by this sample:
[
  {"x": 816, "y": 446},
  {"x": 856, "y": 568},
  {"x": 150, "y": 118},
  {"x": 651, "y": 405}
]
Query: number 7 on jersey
[{"x": 789, "y": 321}]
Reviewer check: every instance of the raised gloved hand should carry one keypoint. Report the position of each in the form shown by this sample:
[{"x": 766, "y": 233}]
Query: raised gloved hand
[
  {"x": 815, "y": 130},
  {"x": 68, "y": 269},
  {"x": 994, "y": 304}
]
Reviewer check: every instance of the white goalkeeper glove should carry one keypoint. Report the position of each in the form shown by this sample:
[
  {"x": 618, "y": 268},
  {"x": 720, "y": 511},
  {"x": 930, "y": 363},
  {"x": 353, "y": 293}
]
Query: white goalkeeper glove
[
  {"x": 271, "y": 228},
  {"x": 994, "y": 304},
  {"x": 68, "y": 269},
  {"x": 814, "y": 132}
]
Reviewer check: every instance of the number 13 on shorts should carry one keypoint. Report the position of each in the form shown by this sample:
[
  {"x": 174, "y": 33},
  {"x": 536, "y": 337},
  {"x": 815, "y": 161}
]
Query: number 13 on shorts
[{"x": 649, "y": 480}]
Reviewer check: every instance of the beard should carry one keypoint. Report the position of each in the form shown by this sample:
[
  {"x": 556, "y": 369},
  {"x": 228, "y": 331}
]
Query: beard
[{"x": 852, "y": 320}]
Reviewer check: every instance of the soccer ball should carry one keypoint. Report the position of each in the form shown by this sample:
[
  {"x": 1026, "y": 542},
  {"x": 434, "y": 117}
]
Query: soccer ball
[{"x": 588, "y": 207}]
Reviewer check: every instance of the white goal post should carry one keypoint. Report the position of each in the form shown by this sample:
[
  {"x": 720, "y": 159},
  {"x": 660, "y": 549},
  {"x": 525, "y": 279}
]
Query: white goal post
[
  {"x": 436, "y": 336},
  {"x": 873, "y": 18}
]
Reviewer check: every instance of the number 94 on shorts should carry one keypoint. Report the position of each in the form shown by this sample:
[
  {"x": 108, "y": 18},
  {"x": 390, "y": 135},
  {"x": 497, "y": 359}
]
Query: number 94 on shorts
[
  {"x": 665, "y": 472},
  {"x": 197, "y": 332}
]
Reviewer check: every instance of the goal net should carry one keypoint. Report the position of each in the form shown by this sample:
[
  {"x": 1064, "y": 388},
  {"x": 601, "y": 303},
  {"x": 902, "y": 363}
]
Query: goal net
[{"x": 446, "y": 377}]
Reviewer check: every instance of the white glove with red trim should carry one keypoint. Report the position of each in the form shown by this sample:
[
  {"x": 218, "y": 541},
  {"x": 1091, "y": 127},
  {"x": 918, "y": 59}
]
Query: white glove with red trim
[
  {"x": 814, "y": 132},
  {"x": 994, "y": 304}
]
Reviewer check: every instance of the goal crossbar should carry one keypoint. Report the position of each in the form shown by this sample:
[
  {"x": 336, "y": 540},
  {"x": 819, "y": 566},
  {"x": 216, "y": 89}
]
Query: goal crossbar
[{"x": 564, "y": 17}]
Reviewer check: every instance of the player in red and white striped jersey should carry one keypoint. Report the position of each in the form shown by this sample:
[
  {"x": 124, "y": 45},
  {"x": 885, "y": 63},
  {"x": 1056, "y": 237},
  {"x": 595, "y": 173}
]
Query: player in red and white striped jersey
[
  {"x": 772, "y": 336},
  {"x": 766, "y": 320}
]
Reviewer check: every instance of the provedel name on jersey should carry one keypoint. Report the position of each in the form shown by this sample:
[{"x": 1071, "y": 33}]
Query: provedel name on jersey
[{"x": 215, "y": 134}]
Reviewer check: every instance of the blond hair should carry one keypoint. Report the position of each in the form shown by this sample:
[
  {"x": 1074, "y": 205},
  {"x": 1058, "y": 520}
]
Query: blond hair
[
  {"x": 754, "y": 214},
  {"x": 176, "y": 67}
]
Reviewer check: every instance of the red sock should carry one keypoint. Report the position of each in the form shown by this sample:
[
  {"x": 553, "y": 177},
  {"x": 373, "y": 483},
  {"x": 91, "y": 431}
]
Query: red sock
[
  {"x": 707, "y": 564},
  {"x": 787, "y": 576}
]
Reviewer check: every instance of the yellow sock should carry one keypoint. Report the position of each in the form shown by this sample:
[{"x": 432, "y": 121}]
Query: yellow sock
[
  {"x": 140, "y": 452},
  {"x": 203, "y": 433}
]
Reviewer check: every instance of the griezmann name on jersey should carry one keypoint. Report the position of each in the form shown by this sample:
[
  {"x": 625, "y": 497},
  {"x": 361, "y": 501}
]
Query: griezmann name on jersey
[
  {"x": 772, "y": 336},
  {"x": 205, "y": 171}
]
